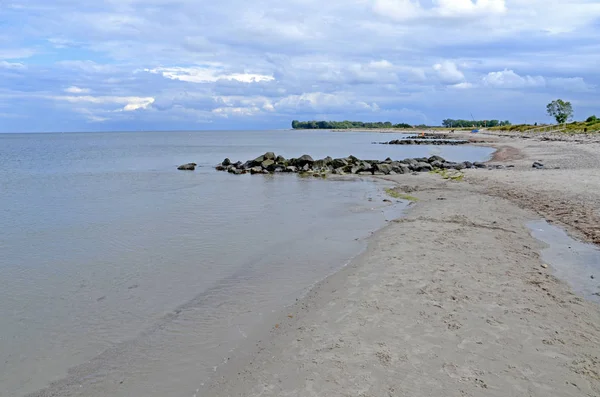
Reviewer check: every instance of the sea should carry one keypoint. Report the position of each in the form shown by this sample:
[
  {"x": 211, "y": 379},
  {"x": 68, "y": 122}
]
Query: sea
[{"x": 122, "y": 276}]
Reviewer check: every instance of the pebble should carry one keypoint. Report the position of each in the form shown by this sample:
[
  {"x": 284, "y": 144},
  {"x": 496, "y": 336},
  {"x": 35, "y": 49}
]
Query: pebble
[{"x": 545, "y": 266}]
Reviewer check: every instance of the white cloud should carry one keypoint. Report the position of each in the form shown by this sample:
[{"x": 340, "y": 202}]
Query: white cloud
[
  {"x": 77, "y": 90},
  {"x": 576, "y": 84},
  {"x": 131, "y": 103},
  {"x": 207, "y": 75},
  {"x": 399, "y": 10},
  {"x": 11, "y": 65},
  {"x": 448, "y": 72},
  {"x": 319, "y": 101},
  {"x": 468, "y": 8},
  {"x": 462, "y": 86},
  {"x": 510, "y": 79}
]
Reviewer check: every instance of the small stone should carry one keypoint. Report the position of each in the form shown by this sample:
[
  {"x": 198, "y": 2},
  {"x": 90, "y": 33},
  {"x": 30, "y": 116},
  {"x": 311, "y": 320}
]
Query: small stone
[
  {"x": 545, "y": 266},
  {"x": 226, "y": 162},
  {"x": 187, "y": 167}
]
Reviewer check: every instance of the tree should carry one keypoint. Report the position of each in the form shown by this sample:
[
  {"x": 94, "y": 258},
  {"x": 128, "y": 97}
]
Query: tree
[
  {"x": 591, "y": 119},
  {"x": 562, "y": 111}
]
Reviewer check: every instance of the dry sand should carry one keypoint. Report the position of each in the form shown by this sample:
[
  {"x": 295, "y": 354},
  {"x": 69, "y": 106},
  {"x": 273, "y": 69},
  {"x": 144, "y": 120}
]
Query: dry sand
[{"x": 451, "y": 300}]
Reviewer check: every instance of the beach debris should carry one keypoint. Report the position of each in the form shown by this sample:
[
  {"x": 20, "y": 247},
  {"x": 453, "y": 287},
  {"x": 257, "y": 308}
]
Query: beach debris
[
  {"x": 189, "y": 166},
  {"x": 545, "y": 266},
  {"x": 425, "y": 141},
  {"x": 537, "y": 165}
]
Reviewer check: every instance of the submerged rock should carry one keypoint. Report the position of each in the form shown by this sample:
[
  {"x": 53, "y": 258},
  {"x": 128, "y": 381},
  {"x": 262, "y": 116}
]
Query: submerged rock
[{"x": 187, "y": 167}]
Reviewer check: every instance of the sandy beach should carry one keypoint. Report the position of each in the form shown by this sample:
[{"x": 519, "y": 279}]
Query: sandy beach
[{"x": 451, "y": 300}]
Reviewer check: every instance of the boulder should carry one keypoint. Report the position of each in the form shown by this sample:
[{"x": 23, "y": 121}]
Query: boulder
[
  {"x": 460, "y": 166},
  {"x": 280, "y": 160},
  {"x": 238, "y": 164},
  {"x": 383, "y": 168},
  {"x": 256, "y": 170},
  {"x": 537, "y": 165},
  {"x": 339, "y": 171},
  {"x": 355, "y": 169},
  {"x": 303, "y": 160},
  {"x": 226, "y": 162},
  {"x": 237, "y": 171},
  {"x": 187, "y": 167},
  {"x": 306, "y": 167},
  {"x": 365, "y": 166},
  {"x": 352, "y": 159},
  {"x": 278, "y": 170},
  {"x": 220, "y": 168},
  {"x": 269, "y": 156},
  {"x": 436, "y": 164},
  {"x": 365, "y": 173},
  {"x": 267, "y": 164},
  {"x": 338, "y": 163},
  {"x": 468, "y": 164},
  {"x": 291, "y": 168},
  {"x": 247, "y": 165},
  {"x": 257, "y": 161},
  {"x": 422, "y": 167},
  {"x": 479, "y": 165}
]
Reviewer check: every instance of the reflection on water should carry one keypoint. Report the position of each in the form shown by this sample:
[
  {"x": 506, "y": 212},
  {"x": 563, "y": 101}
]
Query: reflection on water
[{"x": 575, "y": 262}]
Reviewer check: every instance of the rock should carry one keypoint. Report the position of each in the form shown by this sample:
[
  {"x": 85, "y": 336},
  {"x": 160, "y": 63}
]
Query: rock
[
  {"x": 365, "y": 166},
  {"x": 327, "y": 160},
  {"x": 378, "y": 173},
  {"x": 257, "y": 161},
  {"x": 545, "y": 266},
  {"x": 237, "y": 171},
  {"x": 280, "y": 160},
  {"x": 269, "y": 156},
  {"x": 226, "y": 162},
  {"x": 306, "y": 167},
  {"x": 220, "y": 168},
  {"x": 479, "y": 165},
  {"x": 187, "y": 167},
  {"x": 537, "y": 165},
  {"x": 421, "y": 167},
  {"x": 291, "y": 168},
  {"x": 266, "y": 172},
  {"x": 435, "y": 158},
  {"x": 339, "y": 171},
  {"x": 231, "y": 169},
  {"x": 247, "y": 165},
  {"x": 267, "y": 164},
  {"x": 303, "y": 160},
  {"x": 500, "y": 167},
  {"x": 278, "y": 170},
  {"x": 460, "y": 166},
  {"x": 256, "y": 170},
  {"x": 355, "y": 170},
  {"x": 338, "y": 163},
  {"x": 468, "y": 164},
  {"x": 393, "y": 173},
  {"x": 365, "y": 173},
  {"x": 352, "y": 159},
  {"x": 436, "y": 164},
  {"x": 383, "y": 168},
  {"x": 387, "y": 201}
]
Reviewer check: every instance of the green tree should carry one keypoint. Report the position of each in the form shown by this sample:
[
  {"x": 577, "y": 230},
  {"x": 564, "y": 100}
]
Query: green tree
[
  {"x": 591, "y": 119},
  {"x": 562, "y": 111}
]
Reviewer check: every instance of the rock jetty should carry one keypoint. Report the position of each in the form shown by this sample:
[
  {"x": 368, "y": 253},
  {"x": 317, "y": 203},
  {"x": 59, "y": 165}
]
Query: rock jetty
[
  {"x": 269, "y": 163},
  {"x": 425, "y": 141}
]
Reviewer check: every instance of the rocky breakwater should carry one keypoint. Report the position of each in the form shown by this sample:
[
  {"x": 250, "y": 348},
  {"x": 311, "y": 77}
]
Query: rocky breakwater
[
  {"x": 269, "y": 163},
  {"x": 425, "y": 141}
]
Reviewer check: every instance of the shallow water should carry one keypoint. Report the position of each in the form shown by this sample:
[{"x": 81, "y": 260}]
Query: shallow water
[
  {"x": 572, "y": 261},
  {"x": 118, "y": 267}
]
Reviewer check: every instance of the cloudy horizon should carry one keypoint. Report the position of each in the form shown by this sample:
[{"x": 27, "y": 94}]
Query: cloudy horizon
[{"x": 190, "y": 65}]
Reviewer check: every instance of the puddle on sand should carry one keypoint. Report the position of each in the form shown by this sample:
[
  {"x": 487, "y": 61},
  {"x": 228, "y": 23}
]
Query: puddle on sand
[{"x": 575, "y": 262}]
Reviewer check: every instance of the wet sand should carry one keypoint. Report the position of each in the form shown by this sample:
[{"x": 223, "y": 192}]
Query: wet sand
[{"x": 454, "y": 299}]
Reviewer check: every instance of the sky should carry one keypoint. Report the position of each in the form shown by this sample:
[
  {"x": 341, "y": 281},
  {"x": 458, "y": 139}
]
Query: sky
[{"x": 104, "y": 65}]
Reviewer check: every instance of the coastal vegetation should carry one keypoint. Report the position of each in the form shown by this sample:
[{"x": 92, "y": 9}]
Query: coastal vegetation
[
  {"x": 562, "y": 111},
  {"x": 451, "y": 123},
  {"x": 342, "y": 125},
  {"x": 400, "y": 196}
]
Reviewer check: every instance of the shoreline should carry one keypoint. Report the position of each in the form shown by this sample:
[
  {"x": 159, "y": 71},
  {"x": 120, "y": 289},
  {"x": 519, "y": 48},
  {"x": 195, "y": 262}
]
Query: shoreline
[{"x": 380, "y": 326}]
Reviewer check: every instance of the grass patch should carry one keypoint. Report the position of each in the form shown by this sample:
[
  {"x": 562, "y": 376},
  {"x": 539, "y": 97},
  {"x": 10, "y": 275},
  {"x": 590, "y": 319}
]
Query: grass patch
[{"x": 401, "y": 196}]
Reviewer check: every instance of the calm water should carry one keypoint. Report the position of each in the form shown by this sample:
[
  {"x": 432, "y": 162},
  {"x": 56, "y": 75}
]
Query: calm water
[{"x": 122, "y": 276}]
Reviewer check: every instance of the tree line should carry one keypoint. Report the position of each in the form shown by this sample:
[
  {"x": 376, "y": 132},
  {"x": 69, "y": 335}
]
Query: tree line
[
  {"x": 451, "y": 123},
  {"x": 340, "y": 125}
]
